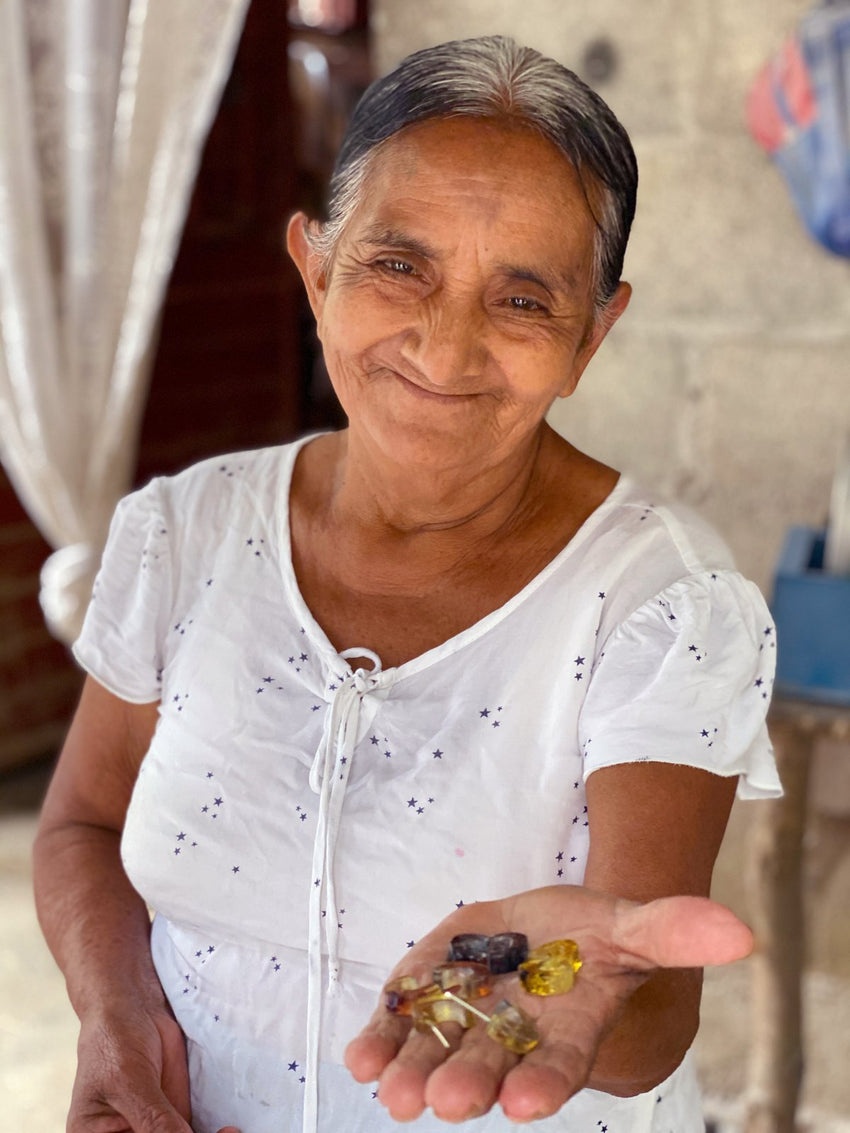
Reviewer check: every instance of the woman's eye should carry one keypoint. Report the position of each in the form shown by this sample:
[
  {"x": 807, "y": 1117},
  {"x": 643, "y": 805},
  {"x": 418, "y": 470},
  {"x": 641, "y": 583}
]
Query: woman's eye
[
  {"x": 523, "y": 303},
  {"x": 396, "y": 267}
]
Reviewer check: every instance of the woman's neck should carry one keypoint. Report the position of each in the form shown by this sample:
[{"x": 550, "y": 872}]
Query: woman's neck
[{"x": 369, "y": 490}]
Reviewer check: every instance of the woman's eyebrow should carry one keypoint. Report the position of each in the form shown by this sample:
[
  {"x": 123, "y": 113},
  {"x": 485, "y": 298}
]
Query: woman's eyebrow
[
  {"x": 380, "y": 236},
  {"x": 551, "y": 281}
]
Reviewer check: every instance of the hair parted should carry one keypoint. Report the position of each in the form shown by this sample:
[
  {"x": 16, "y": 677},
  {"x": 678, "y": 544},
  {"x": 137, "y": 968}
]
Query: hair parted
[{"x": 494, "y": 77}]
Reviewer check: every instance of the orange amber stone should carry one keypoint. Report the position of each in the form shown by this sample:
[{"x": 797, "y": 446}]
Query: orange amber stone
[
  {"x": 400, "y": 994},
  {"x": 551, "y": 968}
]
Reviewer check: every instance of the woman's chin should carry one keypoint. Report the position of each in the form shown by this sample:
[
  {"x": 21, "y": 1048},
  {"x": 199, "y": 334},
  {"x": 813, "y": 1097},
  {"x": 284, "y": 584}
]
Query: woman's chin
[{"x": 423, "y": 444}]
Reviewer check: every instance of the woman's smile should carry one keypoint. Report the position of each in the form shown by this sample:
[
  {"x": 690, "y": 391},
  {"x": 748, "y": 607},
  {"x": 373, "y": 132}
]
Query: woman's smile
[{"x": 420, "y": 389}]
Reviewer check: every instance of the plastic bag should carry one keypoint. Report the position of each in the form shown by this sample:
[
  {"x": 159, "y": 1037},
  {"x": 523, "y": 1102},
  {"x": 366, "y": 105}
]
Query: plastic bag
[{"x": 798, "y": 110}]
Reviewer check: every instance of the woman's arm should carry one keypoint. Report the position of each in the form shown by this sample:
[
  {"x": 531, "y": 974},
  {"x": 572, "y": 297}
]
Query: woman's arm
[
  {"x": 131, "y": 1056},
  {"x": 655, "y": 830},
  {"x": 95, "y": 923}
]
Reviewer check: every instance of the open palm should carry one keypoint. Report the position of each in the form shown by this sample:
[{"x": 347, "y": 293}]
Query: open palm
[{"x": 621, "y": 944}]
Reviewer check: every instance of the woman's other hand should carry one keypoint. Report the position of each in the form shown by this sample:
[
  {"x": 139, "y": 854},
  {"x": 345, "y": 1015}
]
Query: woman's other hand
[
  {"x": 621, "y": 943},
  {"x": 132, "y": 1077}
]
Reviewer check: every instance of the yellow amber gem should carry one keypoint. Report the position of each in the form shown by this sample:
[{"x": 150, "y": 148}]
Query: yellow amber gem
[
  {"x": 468, "y": 980},
  {"x": 551, "y": 968},
  {"x": 429, "y": 1013},
  {"x": 510, "y": 1026}
]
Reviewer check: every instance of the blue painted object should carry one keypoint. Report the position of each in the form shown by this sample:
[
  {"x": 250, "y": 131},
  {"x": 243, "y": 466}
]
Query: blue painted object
[{"x": 812, "y": 613}]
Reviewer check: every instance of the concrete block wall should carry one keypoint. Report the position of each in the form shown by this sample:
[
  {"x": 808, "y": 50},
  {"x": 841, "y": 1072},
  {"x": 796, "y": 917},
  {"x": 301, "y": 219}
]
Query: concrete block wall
[{"x": 727, "y": 382}]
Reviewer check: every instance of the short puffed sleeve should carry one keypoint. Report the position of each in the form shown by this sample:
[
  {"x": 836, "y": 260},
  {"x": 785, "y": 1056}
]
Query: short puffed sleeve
[
  {"x": 686, "y": 679},
  {"x": 120, "y": 644}
]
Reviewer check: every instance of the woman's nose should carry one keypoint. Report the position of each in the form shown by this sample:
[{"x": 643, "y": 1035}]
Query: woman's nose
[{"x": 447, "y": 345}]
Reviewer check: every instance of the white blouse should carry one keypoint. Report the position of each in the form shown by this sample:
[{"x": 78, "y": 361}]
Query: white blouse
[{"x": 296, "y": 824}]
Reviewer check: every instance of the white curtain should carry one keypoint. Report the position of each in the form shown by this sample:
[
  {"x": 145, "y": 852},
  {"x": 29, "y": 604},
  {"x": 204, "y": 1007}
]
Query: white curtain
[{"x": 104, "y": 109}]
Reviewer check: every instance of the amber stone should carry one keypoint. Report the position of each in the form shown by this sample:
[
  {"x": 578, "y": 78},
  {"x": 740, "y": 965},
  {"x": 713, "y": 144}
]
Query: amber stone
[
  {"x": 468, "y": 946},
  {"x": 399, "y": 994},
  {"x": 469, "y": 980},
  {"x": 429, "y": 1013},
  {"x": 551, "y": 968},
  {"x": 510, "y": 1026},
  {"x": 506, "y": 951}
]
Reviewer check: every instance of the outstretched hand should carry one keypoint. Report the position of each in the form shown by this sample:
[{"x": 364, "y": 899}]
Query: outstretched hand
[{"x": 621, "y": 944}]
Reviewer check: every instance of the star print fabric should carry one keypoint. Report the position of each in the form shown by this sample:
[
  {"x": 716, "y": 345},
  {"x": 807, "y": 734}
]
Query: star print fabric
[
  {"x": 684, "y": 680},
  {"x": 456, "y": 777}
]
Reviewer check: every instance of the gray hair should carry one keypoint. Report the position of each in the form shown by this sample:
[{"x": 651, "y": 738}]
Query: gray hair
[{"x": 494, "y": 77}]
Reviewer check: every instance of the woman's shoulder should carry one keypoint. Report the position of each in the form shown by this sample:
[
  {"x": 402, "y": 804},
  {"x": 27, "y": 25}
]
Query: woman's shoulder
[
  {"x": 254, "y": 470},
  {"x": 648, "y": 517},
  {"x": 642, "y": 543},
  {"x": 218, "y": 490}
]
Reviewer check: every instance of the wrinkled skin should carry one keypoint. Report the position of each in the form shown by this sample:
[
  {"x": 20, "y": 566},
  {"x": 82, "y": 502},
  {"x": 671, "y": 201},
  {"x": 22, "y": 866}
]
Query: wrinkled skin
[{"x": 132, "y": 1077}]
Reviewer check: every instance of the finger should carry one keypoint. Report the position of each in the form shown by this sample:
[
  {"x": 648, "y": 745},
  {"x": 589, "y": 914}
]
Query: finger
[
  {"x": 376, "y": 1046},
  {"x": 468, "y": 1082},
  {"x": 151, "y": 1113},
  {"x": 140, "y": 1116},
  {"x": 549, "y": 1075},
  {"x": 681, "y": 932},
  {"x": 175, "y": 1071},
  {"x": 402, "y": 1085}
]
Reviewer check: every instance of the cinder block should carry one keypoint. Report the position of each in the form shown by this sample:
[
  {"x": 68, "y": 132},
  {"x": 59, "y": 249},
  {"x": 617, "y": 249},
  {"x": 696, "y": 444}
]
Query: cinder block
[
  {"x": 629, "y": 407},
  {"x": 717, "y": 241},
  {"x": 775, "y": 412},
  {"x": 651, "y": 48},
  {"x": 736, "y": 41}
]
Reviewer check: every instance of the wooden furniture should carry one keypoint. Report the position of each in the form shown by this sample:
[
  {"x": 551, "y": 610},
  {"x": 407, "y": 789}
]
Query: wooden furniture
[{"x": 775, "y": 883}]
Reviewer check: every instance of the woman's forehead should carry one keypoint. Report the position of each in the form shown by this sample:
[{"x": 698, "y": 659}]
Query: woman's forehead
[
  {"x": 498, "y": 147},
  {"x": 433, "y": 180}
]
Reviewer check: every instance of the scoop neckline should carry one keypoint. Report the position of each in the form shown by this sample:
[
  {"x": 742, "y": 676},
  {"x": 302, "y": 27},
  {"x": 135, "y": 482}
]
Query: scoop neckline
[{"x": 451, "y": 645}]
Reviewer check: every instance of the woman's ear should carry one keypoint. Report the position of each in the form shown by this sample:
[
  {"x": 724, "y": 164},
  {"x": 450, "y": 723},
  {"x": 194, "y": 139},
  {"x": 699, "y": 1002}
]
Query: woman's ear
[
  {"x": 596, "y": 334},
  {"x": 308, "y": 261}
]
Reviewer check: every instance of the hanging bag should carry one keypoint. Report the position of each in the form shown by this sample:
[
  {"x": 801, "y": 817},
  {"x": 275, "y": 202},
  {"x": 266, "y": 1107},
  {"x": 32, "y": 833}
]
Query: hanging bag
[{"x": 798, "y": 110}]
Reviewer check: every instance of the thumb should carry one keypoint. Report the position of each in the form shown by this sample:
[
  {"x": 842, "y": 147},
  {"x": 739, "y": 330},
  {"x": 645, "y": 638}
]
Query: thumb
[{"x": 682, "y": 932}]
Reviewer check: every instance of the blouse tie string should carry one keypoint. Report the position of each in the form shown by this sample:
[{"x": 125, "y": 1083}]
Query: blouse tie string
[{"x": 329, "y": 778}]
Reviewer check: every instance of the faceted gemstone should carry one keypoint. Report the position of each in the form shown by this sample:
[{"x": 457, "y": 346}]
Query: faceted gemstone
[
  {"x": 469, "y": 946},
  {"x": 551, "y": 968},
  {"x": 469, "y": 980},
  {"x": 399, "y": 994},
  {"x": 510, "y": 1026},
  {"x": 429, "y": 1013},
  {"x": 506, "y": 951}
]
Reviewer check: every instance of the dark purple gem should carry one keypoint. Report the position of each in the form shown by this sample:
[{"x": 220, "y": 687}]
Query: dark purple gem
[
  {"x": 469, "y": 946},
  {"x": 506, "y": 951},
  {"x": 393, "y": 1000}
]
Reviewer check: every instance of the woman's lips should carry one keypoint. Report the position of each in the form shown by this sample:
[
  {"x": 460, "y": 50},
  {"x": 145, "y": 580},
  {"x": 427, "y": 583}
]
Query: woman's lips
[{"x": 428, "y": 394}]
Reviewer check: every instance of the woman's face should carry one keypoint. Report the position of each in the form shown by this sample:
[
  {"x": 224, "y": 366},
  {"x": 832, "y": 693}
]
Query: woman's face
[{"x": 459, "y": 304}]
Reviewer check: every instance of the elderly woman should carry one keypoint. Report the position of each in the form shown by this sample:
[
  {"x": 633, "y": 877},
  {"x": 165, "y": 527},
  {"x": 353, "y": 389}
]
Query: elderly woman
[{"x": 439, "y": 668}]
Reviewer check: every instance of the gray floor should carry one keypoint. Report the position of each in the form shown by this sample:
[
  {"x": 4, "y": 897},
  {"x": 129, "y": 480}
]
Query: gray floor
[{"x": 38, "y": 1029}]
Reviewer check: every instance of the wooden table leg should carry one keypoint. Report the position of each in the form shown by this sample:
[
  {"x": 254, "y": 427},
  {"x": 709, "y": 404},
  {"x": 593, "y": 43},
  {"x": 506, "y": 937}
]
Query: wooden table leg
[{"x": 776, "y": 909}]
